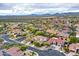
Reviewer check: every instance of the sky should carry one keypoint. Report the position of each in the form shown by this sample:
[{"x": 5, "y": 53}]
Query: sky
[{"x": 37, "y": 8}]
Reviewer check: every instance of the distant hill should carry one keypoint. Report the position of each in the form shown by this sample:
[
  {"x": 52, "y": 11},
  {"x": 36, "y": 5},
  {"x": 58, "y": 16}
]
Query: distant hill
[
  {"x": 57, "y": 14},
  {"x": 67, "y": 14},
  {"x": 48, "y": 14},
  {"x": 39, "y": 15}
]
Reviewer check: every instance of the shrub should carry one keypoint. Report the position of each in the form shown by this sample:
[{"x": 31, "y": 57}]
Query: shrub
[
  {"x": 40, "y": 33},
  {"x": 45, "y": 44},
  {"x": 52, "y": 35},
  {"x": 23, "y": 48},
  {"x": 1, "y": 40},
  {"x": 66, "y": 49},
  {"x": 37, "y": 44},
  {"x": 73, "y": 39}
]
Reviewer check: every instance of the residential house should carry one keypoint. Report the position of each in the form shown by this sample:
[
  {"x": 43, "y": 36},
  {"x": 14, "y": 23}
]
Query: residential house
[
  {"x": 52, "y": 31},
  {"x": 40, "y": 38},
  {"x": 15, "y": 28},
  {"x": 57, "y": 41},
  {"x": 52, "y": 40},
  {"x": 63, "y": 34},
  {"x": 77, "y": 48},
  {"x": 15, "y": 51},
  {"x": 60, "y": 41},
  {"x": 74, "y": 47}
]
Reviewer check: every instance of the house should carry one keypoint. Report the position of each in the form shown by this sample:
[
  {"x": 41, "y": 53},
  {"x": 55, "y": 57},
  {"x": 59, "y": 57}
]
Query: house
[
  {"x": 15, "y": 51},
  {"x": 15, "y": 28},
  {"x": 60, "y": 41},
  {"x": 77, "y": 45},
  {"x": 63, "y": 33},
  {"x": 52, "y": 40},
  {"x": 51, "y": 31},
  {"x": 57, "y": 41},
  {"x": 40, "y": 38},
  {"x": 72, "y": 47}
]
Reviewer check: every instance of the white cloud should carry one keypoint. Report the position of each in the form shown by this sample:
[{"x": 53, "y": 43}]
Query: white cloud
[
  {"x": 40, "y": 1},
  {"x": 27, "y": 9},
  {"x": 5, "y": 11},
  {"x": 23, "y": 11},
  {"x": 72, "y": 11}
]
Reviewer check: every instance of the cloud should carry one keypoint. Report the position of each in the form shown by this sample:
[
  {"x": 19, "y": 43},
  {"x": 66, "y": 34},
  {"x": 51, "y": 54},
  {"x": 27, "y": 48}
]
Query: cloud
[
  {"x": 5, "y": 12},
  {"x": 37, "y": 8}
]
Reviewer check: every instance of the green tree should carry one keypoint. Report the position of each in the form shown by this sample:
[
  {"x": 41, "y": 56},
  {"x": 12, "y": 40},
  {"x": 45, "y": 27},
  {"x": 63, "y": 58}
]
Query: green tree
[
  {"x": 1, "y": 29},
  {"x": 23, "y": 48},
  {"x": 73, "y": 39},
  {"x": 33, "y": 30},
  {"x": 24, "y": 35},
  {"x": 53, "y": 35},
  {"x": 72, "y": 33},
  {"x": 37, "y": 44},
  {"x": 6, "y": 46},
  {"x": 45, "y": 44},
  {"x": 40, "y": 33}
]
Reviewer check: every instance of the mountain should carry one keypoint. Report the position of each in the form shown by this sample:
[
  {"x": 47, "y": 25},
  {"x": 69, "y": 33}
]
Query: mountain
[
  {"x": 57, "y": 14},
  {"x": 67, "y": 14},
  {"x": 35, "y": 16},
  {"x": 47, "y": 14}
]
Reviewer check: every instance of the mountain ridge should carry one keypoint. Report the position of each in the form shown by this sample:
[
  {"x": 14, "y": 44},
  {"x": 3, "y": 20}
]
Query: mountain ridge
[{"x": 47, "y": 14}]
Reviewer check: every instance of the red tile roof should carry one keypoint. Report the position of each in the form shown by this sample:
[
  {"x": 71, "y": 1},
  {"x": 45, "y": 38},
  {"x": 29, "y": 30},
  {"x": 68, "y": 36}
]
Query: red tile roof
[
  {"x": 41, "y": 38},
  {"x": 54, "y": 40},
  {"x": 77, "y": 46},
  {"x": 72, "y": 47},
  {"x": 15, "y": 51},
  {"x": 59, "y": 40},
  {"x": 50, "y": 41}
]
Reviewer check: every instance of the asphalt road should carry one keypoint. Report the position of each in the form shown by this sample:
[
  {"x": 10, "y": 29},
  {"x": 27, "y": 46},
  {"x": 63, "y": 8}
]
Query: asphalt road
[{"x": 49, "y": 52}]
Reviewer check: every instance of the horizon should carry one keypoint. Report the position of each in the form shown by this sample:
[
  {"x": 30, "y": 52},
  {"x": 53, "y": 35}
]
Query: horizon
[{"x": 37, "y": 8}]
